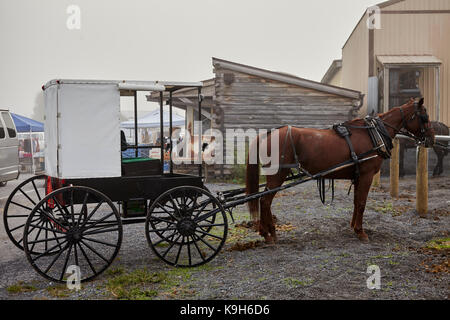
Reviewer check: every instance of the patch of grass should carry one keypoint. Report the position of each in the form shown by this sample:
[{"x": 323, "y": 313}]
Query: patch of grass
[
  {"x": 20, "y": 287},
  {"x": 294, "y": 283},
  {"x": 133, "y": 285},
  {"x": 58, "y": 291},
  {"x": 115, "y": 271},
  {"x": 439, "y": 244}
]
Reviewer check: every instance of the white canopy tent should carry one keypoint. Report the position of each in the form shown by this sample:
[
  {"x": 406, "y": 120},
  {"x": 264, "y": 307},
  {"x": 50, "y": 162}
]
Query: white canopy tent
[{"x": 152, "y": 120}]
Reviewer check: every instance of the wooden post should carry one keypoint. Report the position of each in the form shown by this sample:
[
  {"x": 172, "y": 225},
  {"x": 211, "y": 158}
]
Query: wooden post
[
  {"x": 422, "y": 181},
  {"x": 394, "y": 169},
  {"x": 376, "y": 182}
]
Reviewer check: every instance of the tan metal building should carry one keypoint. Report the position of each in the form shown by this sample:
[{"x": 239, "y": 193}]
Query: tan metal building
[{"x": 403, "y": 54}]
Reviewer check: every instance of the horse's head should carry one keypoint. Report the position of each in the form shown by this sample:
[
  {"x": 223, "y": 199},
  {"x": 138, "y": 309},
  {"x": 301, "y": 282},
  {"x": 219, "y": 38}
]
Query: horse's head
[{"x": 418, "y": 123}]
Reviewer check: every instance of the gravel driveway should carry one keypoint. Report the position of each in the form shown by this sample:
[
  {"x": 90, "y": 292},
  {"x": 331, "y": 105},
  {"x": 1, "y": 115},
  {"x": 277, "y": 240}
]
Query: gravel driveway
[{"x": 317, "y": 256}]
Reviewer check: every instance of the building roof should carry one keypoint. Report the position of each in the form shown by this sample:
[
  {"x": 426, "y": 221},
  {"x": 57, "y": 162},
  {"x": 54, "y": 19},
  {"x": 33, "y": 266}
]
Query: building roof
[
  {"x": 409, "y": 59},
  {"x": 135, "y": 85},
  {"x": 286, "y": 78},
  {"x": 334, "y": 68},
  {"x": 380, "y": 5}
]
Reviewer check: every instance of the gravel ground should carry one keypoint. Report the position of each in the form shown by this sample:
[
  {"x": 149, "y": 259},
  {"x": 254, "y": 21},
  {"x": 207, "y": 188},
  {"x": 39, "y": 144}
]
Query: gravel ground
[{"x": 317, "y": 256}]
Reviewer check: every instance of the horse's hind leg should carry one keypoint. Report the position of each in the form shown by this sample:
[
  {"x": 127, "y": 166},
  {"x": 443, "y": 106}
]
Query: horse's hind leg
[{"x": 267, "y": 225}]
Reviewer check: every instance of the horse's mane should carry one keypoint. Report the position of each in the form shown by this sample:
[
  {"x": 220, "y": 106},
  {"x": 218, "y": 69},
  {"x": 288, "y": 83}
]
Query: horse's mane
[{"x": 361, "y": 122}]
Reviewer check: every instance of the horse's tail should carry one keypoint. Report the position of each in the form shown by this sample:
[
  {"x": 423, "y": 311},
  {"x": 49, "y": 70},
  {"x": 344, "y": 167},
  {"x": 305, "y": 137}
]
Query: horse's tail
[{"x": 252, "y": 179}]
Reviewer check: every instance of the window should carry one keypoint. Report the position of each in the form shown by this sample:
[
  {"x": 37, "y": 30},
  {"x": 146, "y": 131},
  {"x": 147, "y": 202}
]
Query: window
[
  {"x": 2, "y": 130},
  {"x": 403, "y": 85},
  {"x": 9, "y": 124}
]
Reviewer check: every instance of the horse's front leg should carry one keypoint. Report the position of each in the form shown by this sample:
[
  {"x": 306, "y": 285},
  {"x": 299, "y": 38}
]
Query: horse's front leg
[
  {"x": 362, "y": 188},
  {"x": 436, "y": 168},
  {"x": 441, "y": 163}
]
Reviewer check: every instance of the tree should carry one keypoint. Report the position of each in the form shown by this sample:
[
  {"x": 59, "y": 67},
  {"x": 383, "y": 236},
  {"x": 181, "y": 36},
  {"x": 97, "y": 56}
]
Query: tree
[{"x": 38, "y": 109}]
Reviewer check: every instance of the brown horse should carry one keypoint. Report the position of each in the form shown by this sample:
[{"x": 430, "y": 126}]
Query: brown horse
[{"x": 318, "y": 150}]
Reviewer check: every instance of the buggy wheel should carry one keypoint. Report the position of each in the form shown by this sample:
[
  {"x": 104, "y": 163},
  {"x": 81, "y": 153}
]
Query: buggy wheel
[
  {"x": 186, "y": 234},
  {"x": 184, "y": 199},
  {"x": 83, "y": 232},
  {"x": 19, "y": 205}
]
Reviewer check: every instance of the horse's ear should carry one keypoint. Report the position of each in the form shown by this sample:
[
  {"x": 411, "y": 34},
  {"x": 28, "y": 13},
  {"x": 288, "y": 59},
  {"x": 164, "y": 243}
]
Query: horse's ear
[{"x": 421, "y": 102}]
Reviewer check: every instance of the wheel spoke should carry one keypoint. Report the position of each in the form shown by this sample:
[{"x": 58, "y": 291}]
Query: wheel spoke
[
  {"x": 163, "y": 220},
  {"x": 83, "y": 208},
  {"x": 22, "y": 206},
  {"x": 101, "y": 220},
  {"x": 101, "y": 242},
  {"x": 171, "y": 215},
  {"x": 87, "y": 259},
  {"x": 35, "y": 189},
  {"x": 198, "y": 249},
  {"x": 56, "y": 258},
  {"x": 45, "y": 228},
  {"x": 45, "y": 240},
  {"x": 208, "y": 234},
  {"x": 47, "y": 251},
  {"x": 65, "y": 263},
  {"x": 72, "y": 209},
  {"x": 102, "y": 231},
  {"x": 171, "y": 246},
  {"x": 38, "y": 234},
  {"x": 76, "y": 255},
  {"x": 92, "y": 213},
  {"x": 189, "y": 251},
  {"x": 179, "y": 251},
  {"x": 201, "y": 239},
  {"x": 27, "y": 196},
  {"x": 63, "y": 210},
  {"x": 94, "y": 251},
  {"x": 165, "y": 238},
  {"x": 165, "y": 229}
]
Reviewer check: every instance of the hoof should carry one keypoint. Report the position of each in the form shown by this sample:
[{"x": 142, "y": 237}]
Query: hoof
[
  {"x": 269, "y": 240},
  {"x": 362, "y": 236}
]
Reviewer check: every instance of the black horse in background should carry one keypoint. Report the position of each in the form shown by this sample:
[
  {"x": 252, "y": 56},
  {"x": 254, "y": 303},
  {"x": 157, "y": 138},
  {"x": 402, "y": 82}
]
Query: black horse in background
[{"x": 441, "y": 149}]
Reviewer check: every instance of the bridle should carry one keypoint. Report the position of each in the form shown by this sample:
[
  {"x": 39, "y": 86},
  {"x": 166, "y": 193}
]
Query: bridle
[{"x": 423, "y": 120}]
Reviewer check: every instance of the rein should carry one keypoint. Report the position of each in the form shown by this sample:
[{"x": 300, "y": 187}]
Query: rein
[{"x": 423, "y": 129}]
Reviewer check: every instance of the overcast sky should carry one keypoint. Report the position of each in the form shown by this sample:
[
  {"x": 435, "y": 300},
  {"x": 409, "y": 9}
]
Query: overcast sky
[{"x": 164, "y": 40}]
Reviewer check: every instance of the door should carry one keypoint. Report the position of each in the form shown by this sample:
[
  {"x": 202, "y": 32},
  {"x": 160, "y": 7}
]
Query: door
[{"x": 9, "y": 148}]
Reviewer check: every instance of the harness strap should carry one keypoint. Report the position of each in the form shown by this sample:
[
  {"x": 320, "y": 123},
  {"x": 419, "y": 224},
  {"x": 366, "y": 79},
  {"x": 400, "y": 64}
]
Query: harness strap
[
  {"x": 296, "y": 164},
  {"x": 343, "y": 131}
]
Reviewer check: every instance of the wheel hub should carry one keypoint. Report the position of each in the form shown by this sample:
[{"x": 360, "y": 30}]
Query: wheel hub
[
  {"x": 74, "y": 236},
  {"x": 186, "y": 227}
]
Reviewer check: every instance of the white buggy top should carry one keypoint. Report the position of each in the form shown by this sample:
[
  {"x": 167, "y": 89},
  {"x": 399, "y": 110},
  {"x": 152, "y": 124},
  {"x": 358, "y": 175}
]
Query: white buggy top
[{"x": 82, "y": 124}]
